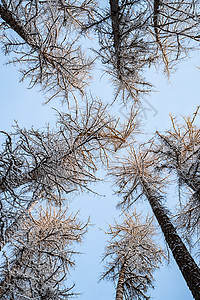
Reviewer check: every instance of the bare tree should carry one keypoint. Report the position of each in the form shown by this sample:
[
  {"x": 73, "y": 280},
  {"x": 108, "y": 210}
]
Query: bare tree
[
  {"x": 133, "y": 35},
  {"x": 50, "y": 164},
  {"x": 44, "y": 39},
  {"x": 179, "y": 153},
  {"x": 131, "y": 257},
  {"x": 137, "y": 178},
  {"x": 123, "y": 48},
  {"x": 41, "y": 255}
]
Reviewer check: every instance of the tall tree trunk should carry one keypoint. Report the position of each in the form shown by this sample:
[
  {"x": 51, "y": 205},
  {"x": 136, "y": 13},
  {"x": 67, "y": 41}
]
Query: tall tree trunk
[
  {"x": 120, "y": 284},
  {"x": 114, "y": 9},
  {"x": 184, "y": 260}
]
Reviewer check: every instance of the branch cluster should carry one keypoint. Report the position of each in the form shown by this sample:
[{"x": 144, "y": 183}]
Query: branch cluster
[
  {"x": 40, "y": 256},
  {"x": 46, "y": 43},
  {"x": 179, "y": 153}
]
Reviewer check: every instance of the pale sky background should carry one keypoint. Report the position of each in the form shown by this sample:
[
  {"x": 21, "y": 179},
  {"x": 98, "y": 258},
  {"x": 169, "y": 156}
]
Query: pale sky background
[{"x": 180, "y": 97}]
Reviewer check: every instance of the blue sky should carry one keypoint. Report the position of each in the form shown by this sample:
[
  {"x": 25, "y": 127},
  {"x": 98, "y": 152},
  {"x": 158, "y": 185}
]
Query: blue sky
[{"x": 181, "y": 96}]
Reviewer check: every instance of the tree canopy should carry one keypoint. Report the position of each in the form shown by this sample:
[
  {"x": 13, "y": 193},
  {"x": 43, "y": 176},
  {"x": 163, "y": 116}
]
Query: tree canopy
[{"x": 50, "y": 43}]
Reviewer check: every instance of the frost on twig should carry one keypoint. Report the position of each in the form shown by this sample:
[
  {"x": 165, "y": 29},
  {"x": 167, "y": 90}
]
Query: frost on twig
[
  {"x": 40, "y": 256},
  {"x": 131, "y": 257}
]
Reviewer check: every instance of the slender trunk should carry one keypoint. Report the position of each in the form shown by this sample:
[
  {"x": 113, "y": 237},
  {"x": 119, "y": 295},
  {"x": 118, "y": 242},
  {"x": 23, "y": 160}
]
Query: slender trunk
[
  {"x": 184, "y": 260},
  {"x": 114, "y": 9},
  {"x": 157, "y": 32},
  {"x": 120, "y": 284}
]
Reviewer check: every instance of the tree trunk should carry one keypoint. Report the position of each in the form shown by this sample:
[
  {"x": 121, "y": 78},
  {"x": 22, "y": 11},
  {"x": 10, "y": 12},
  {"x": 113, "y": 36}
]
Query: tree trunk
[
  {"x": 15, "y": 24},
  {"x": 114, "y": 9},
  {"x": 184, "y": 260},
  {"x": 120, "y": 284}
]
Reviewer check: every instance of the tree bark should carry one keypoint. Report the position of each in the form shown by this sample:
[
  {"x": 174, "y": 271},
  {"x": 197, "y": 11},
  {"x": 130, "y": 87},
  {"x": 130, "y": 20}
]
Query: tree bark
[
  {"x": 114, "y": 9},
  {"x": 156, "y": 12},
  {"x": 120, "y": 284},
  {"x": 15, "y": 24},
  {"x": 185, "y": 262}
]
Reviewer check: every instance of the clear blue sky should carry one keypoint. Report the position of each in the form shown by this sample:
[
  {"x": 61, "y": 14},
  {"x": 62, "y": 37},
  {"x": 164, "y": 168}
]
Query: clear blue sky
[{"x": 179, "y": 97}]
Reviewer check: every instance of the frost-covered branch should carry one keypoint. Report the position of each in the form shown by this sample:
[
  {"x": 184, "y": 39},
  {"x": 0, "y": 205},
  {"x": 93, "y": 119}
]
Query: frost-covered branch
[
  {"x": 40, "y": 256},
  {"x": 44, "y": 39},
  {"x": 37, "y": 165}
]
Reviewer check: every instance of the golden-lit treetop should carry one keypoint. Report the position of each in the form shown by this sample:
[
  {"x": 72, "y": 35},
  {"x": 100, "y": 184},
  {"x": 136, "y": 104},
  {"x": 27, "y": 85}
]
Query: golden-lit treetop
[{"x": 131, "y": 256}]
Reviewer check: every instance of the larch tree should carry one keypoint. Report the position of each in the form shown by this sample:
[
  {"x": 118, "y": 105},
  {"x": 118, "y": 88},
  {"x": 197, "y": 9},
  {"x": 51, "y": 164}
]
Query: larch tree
[
  {"x": 179, "y": 152},
  {"x": 41, "y": 256},
  {"x": 46, "y": 39},
  {"x": 133, "y": 35},
  {"x": 140, "y": 174},
  {"x": 132, "y": 256}
]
